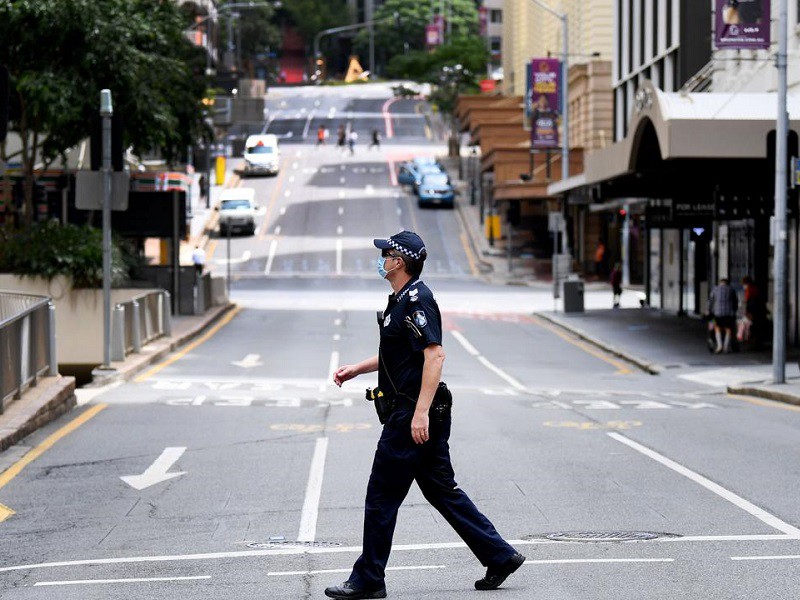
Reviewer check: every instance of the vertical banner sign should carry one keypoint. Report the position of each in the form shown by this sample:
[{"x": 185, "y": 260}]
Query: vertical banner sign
[
  {"x": 431, "y": 35},
  {"x": 545, "y": 82},
  {"x": 483, "y": 20},
  {"x": 742, "y": 24},
  {"x": 438, "y": 21}
]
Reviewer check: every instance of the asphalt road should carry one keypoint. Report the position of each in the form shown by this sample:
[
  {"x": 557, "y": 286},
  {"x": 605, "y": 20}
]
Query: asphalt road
[{"x": 253, "y": 466}]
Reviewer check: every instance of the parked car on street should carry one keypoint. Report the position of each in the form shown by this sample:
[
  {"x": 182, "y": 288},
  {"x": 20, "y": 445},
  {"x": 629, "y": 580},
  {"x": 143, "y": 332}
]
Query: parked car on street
[
  {"x": 261, "y": 155},
  {"x": 237, "y": 211},
  {"x": 435, "y": 190}
]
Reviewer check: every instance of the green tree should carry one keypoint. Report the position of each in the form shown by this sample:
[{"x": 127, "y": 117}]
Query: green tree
[
  {"x": 61, "y": 53},
  {"x": 255, "y": 29},
  {"x": 396, "y": 38},
  {"x": 469, "y": 52},
  {"x": 312, "y": 16}
]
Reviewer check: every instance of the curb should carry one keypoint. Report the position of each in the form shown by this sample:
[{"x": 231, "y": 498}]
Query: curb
[
  {"x": 485, "y": 266},
  {"x": 140, "y": 362},
  {"x": 769, "y": 394},
  {"x": 53, "y": 397},
  {"x": 644, "y": 365}
]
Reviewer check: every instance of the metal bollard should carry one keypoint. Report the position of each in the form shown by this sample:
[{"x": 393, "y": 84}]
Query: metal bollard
[
  {"x": 166, "y": 314},
  {"x": 52, "y": 354},
  {"x": 136, "y": 342},
  {"x": 118, "y": 333}
]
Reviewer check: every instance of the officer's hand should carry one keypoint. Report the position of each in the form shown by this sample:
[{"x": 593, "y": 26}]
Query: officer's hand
[
  {"x": 419, "y": 428},
  {"x": 343, "y": 374}
]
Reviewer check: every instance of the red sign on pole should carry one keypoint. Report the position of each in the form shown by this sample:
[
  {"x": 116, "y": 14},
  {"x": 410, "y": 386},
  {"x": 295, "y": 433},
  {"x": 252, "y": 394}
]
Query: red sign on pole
[{"x": 488, "y": 85}]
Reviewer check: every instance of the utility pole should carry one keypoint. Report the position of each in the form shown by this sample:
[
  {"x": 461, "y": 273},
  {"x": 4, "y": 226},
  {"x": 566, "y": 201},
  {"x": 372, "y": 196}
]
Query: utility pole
[
  {"x": 781, "y": 159},
  {"x": 106, "y": 112},
  {"x": 369, "y": 15}
]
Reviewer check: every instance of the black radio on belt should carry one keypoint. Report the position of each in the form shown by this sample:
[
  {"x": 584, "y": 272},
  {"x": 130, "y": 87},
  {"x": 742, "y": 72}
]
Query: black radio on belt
[{"x": 384, "y": 405}]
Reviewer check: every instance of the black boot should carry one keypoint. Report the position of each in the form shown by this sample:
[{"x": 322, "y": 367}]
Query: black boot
[{"x": 497, "y": 575}]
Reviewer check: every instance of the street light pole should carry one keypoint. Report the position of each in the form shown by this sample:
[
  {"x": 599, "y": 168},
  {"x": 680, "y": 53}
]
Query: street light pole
[
  {"x": 564, "y": 85},
  {"x": 781, "y": 159},
  {"x": 106, "y": 112}
]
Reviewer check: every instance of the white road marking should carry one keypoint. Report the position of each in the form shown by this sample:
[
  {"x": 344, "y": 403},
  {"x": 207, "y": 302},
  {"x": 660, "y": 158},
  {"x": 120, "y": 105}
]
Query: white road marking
[
  {"x": 277, "y": 230},
  {"x": 337, "y": 322},
  {"x": 273, "y": 246},
  {"x": 369, "y": 189},
  {"x": 234, "y": 261},
  {"x": 248, "y": 362},
  {"x": 157, "y": 472},
  {"x": 399, "y": 212},
  {"x": 308, "y": 126},
  {"x": 341, "y": 179},
  {"x": 779, "y": 557},
  {"x": 132, "y": 580},
  {"x": 729, "y": 376},
  {"x": 339, "y": 230},
  {"x": 328, "y": 571},
  {"x": 215, "y": 556},
  {"x": 749, "y": 507},
  {"x": 463, "y": 341},
  {"x": 336, "y": 337},
  {"x": 341, "y": 210},
  {"x": 308, "y": 518},
  {"x": 341, "y": 193},
  {"x": 485, "y": 361},
  {"x": 291, "y": 178},
  {"x": 295, "y": 165},
  {"x": 339, "y": 246},
  {"x": 282, "y": 211},
  {"x": 287, "y": 193},
  {"x": 86, "y": 395}
]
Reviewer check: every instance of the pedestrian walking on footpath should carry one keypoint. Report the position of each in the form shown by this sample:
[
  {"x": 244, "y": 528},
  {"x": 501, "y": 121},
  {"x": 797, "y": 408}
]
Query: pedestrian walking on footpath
[
  {"x": 754, "y": 321},
  {"x": 600, "y": 259},
  {"x": 199, "y": 260},
  {"x": 352, "y": 137},
  {"x": 376, "y": 140},
  {"x": 341, "y": 137},
  {"x": 616, "y": 284},
  {"x": 414, "y": 406},
  {"x": 724, "y": 303},
  {"x": 322, "y": 135}
]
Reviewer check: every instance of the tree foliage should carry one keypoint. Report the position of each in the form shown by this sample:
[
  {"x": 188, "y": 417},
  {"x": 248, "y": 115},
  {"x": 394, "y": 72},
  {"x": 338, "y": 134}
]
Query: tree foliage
[
  {"x": 469, "y": 52},
  {"x": 61, "y": 53},
  {"x": 257, "y": 31},
  {"x": 312, "y": 16},
  {"x": 413, "y": 16}
]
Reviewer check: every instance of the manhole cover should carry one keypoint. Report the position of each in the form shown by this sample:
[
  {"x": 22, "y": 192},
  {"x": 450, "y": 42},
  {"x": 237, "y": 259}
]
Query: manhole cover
[
  {"x": 603, "y": 536},
  {"x": 290, "y": 544}
]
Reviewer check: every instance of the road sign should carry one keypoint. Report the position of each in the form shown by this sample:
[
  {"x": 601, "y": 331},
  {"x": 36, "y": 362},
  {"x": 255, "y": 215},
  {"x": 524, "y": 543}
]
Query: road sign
[{"x": 89, "y": 190}]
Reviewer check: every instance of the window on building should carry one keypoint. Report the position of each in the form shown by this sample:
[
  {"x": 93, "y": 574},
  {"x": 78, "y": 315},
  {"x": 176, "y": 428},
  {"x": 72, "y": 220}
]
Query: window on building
[
  {"x": 495, "y": 16},
  {"x": 496, "y": 45}
]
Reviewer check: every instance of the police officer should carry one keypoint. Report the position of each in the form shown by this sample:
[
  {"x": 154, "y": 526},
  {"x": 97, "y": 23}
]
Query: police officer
[{"x": 413, "y": 445}]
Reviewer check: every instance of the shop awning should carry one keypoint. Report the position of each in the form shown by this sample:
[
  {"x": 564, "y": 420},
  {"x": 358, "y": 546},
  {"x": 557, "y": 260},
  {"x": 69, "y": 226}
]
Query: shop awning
[{"x": 708, "y": 135}]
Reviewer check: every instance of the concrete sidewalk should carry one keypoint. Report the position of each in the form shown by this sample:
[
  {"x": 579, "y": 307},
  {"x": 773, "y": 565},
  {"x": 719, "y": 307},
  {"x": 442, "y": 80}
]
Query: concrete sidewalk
[{"x": 656, "y": 341}]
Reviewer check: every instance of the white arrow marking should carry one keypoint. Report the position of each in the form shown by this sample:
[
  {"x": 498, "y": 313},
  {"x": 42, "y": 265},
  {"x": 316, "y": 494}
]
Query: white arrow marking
[
  {"x": 249, "y": 361},
  {"x": 235, "y": 261},
  {"x": 157, "y": 472}
]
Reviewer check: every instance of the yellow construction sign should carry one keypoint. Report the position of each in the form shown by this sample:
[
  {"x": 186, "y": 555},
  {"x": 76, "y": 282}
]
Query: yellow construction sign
[{"x": 355, "y": 71}]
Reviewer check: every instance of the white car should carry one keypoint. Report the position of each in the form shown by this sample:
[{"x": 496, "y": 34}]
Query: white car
[
  {"x": 262, "y": 155},
  {"x": 237, "y": 211}
]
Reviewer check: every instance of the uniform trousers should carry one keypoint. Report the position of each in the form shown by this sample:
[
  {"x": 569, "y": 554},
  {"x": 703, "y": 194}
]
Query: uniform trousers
[{"x": 398, "y": 462}]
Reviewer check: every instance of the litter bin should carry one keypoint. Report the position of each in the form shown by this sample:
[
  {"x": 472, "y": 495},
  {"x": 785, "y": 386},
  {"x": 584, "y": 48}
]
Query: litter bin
[{"x": 573, "y": 296}]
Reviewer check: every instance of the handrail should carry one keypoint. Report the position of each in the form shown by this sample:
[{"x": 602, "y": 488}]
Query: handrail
[
  {"x": 27, "y": 342},
  {"x": 138, "y": 321}
]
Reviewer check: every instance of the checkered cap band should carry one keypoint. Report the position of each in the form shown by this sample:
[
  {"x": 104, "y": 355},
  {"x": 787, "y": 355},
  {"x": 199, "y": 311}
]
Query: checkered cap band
[{"x": 404, "y": 250}]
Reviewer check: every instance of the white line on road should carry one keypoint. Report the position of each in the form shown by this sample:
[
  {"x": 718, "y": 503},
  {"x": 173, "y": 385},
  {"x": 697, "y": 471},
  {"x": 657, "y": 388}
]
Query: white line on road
[
  {"x": 234, "y": 261},
  {"x": 287, "y": 193},
  {"x": 339, "y": 230},
  {"x": 336, "y": 337},
  {"x": 308, "y": 124},
  {"x": 133, "y": 580},
  {"x": 779, "y": 557},
  {"x": 341, "y": 193},
  {"x": 291, "y": 178},
  {"x": 339, "y": 246},
  {"x": 308, "y": 519},
  {"x": 341, "y": 179},
  {"x": 328, "y": 571},
  {"x": 574, "y": 561},
  {"x": 277, "y": 230},
  {"x": 341, "y": 210},
  {"x": 749, "y": 507},
  {"x": 208, "y": 556},
  {"x": 273, "y": 246},
  {"x": 485, "y": 361},
  {"x": 282, "y": 211}
]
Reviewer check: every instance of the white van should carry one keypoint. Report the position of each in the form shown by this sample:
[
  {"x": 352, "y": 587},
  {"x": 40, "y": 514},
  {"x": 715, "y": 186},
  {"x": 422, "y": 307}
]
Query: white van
[
  {"x": 237, "y": 211},
  {"x": 261, "y": 155}
]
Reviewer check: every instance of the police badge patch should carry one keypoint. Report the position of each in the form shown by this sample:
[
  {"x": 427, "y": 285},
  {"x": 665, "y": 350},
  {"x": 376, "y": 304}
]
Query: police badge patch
[
  {"x": 420, "y": 319},
  {"x": 387, "y": 320}
]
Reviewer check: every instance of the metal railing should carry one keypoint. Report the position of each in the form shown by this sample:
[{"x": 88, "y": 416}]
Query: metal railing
[
  {"x": 27, "y": 343},
  {"x": 139, "y": 321}
]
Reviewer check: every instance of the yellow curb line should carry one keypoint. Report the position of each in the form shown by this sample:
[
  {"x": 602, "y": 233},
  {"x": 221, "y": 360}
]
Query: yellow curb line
[
  {"x": 32, "y": 455},
  {"x": 622, "y": 368},
  {"x": 189, "y": 347},
  {"x": 764, "y": 402}
]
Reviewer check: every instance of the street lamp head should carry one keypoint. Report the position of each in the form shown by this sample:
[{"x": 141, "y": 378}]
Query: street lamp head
[{"x": 106, "y": 107}]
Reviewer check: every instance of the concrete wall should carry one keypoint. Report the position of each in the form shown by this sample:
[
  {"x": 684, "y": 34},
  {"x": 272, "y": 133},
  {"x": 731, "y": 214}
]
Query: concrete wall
[{"x": 79, "y": 315}]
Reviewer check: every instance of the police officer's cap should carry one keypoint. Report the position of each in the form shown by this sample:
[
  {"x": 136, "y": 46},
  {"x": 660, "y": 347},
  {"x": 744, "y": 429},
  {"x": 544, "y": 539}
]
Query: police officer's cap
[{"x": 405, "y": 242}]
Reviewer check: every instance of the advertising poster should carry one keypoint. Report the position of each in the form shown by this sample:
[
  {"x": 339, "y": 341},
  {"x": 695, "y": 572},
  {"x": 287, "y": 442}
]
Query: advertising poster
[
  {"x": 432, "y": 35},
  {"x": 545, "y": 84},
  {"x": 742, "y": 24}
]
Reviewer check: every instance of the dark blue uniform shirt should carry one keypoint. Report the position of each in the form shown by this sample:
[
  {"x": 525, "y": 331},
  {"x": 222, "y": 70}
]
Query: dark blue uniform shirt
[{"x": 411, "y": 323}]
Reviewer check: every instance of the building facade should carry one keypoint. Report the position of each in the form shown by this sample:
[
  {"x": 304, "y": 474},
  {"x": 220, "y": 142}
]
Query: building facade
[{"x": 530, "y": 31}]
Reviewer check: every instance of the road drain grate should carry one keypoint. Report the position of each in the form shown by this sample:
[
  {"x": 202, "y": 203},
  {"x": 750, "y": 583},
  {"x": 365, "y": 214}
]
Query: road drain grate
[
  {"x": 604, "y": 536},
  {"x": 274, "y": 544}
]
